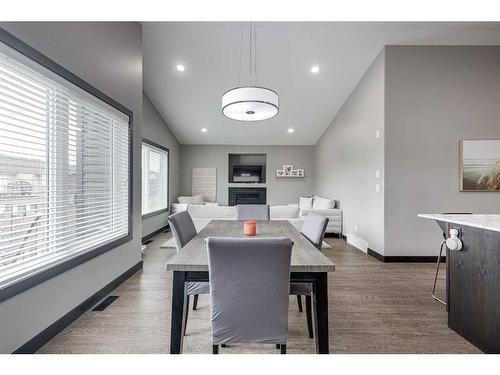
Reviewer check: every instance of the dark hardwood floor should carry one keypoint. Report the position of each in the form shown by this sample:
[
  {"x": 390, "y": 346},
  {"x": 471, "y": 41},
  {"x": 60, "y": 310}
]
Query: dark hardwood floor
[{"x": 375, "y": 307}]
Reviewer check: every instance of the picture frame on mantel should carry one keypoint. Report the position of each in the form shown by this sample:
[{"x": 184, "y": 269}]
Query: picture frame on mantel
[{"x": 479, "y": 165}]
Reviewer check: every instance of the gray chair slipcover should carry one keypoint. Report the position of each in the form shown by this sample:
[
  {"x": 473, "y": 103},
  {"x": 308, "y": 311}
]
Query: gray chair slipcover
[
  {"x": 249, "y": 289},
  {"x": 313, "y": 229},
  {"x": 183, "y": 230},
  {"x": 252, "y": 212}
]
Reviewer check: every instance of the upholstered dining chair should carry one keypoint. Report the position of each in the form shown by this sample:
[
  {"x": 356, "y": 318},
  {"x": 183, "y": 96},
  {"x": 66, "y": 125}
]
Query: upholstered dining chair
[
  {"x": 252, "y": 212},
  {"x": 249, "y": 290},
  {"x": 313, "y": 229},
  {"x": 183, "y": 230}
]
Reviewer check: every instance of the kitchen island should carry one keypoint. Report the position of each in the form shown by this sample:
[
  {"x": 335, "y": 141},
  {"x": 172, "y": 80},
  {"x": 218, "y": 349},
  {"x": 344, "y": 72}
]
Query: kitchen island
[{"x": 473, "y": 278}]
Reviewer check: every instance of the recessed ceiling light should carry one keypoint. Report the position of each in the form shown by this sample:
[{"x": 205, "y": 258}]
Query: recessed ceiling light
[
  {"x": 315, "y": 69},
  {"x": 291, "y": 130},
  {"x": 204, "y": 130},
  {"x": 180, "y": 67}
]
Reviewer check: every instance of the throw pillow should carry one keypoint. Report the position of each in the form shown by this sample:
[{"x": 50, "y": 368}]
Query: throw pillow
[
  {"x": 305, "y": 203},
  {"x": 320, "y": 203}
]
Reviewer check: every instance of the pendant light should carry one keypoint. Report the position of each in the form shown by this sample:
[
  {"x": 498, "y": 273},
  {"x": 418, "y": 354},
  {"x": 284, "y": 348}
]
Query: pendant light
[{"x": 250, "y": 103}]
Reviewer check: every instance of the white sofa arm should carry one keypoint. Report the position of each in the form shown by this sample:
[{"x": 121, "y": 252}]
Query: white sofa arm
[{"x": 178, "y": 207}]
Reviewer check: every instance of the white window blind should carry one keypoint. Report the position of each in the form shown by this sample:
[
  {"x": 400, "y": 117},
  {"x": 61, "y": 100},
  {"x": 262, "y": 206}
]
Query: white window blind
[
  {"x": 64, "y": 169},
  {"x": 154, "y": 179}
]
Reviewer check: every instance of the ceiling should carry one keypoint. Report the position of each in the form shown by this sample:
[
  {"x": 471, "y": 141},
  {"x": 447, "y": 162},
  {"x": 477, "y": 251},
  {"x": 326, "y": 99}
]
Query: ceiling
[{"x": 210, "y": 52}]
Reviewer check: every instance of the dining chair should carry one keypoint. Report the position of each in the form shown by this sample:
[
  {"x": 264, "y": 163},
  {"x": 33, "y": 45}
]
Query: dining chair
[
  {"x": 313, "y": 229},
  {"x": 249, "y": 290},
  {"x": 252, "y": 212},
  {"x": 183, "y": 229}
]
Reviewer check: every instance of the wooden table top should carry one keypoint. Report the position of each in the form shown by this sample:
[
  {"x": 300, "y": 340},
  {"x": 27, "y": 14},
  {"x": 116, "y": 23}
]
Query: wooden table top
[{"x": 305, "y": 257}]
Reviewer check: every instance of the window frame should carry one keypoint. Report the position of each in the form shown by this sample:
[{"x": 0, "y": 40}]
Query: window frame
[
  {"x": 162, "y": 210},
  {"x": 39, "y": 58}
]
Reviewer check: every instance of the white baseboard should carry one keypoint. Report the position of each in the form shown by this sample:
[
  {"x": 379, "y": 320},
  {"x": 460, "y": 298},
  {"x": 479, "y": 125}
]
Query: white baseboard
[{"x": 357, "y": 242}]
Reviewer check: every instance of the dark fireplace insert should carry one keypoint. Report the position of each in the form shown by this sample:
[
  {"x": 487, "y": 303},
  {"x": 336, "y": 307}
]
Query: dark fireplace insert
[{"x": 244, "y": 195}]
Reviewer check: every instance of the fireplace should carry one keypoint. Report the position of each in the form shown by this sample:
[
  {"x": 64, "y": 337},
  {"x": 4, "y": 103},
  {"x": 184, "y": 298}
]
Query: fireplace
[{"x": 245, "y": 195}]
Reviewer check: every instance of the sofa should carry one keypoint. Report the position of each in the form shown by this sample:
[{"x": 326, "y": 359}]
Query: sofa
[{"x": 202, "y": 214}]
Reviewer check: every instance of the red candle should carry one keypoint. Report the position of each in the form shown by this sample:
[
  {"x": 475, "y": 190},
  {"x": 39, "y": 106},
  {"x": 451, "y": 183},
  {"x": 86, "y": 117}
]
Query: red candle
[{"x": 250, "y": 228}]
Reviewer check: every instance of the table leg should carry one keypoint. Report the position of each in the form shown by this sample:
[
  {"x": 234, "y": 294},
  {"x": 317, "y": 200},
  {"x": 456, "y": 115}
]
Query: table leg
[
  {"x": 321, "y": 313},
  {"x": 177, "y": 322}
]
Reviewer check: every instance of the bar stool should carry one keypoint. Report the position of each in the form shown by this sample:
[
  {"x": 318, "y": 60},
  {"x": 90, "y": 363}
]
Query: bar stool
[{"x": 443, "y": 245}]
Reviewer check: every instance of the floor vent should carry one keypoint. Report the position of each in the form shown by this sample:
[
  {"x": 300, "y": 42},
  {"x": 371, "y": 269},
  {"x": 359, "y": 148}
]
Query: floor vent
[
  {"x": 147, "y": 242},
  {"x": 105, "y": 303}
]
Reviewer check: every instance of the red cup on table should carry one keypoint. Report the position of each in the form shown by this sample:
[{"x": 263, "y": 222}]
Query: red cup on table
[{"x": 250, "y": 228}]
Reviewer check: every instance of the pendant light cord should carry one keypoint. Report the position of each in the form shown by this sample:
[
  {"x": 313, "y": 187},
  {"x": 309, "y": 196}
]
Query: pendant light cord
[
  {"x": 255, "y": 53},
  {"x": 250, "y": 47},
  {"x": 252, "y": 53},
  {"x": 241, "y": 52}
]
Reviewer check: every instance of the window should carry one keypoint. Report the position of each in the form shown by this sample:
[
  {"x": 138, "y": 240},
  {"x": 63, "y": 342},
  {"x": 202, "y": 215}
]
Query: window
[
  {"x": 64, "y": 171},
  {"x": 154, "y": 179}
]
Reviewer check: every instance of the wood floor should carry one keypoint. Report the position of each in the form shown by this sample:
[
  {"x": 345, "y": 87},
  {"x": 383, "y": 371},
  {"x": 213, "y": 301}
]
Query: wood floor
[{"x": 374, "y": 308}]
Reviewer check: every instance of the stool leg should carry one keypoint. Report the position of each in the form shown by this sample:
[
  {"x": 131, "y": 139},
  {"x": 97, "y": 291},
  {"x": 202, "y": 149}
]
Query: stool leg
[{"x": 436, "y": 276}]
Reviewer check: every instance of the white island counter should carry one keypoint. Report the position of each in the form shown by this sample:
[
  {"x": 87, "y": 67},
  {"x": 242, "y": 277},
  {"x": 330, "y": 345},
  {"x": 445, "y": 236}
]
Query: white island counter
[
  {"x": 481, "y": 221},
  {"x": 473, "y": 277}
]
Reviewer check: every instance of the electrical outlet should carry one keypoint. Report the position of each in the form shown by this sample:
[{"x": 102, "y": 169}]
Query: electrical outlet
[
  {"x": 377, "y": 174},
  {"x": 377, "y": 134},
  {"x": 377, "y": 188},
  {"x": 355, "y": 228}
]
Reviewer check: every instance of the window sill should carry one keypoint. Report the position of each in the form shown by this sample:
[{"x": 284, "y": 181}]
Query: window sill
[{"x": 154, "y": 213}]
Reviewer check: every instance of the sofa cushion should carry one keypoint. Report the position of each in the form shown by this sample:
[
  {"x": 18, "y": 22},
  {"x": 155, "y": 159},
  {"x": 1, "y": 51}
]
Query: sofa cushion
[
  {"x": 332, "y": 212},
  {"x": 284, "y": 212},
  {"x": 196, "y": 199},
  {"x": 212, "y": 212},
  {"x": 305, "y": 203},
  {"x": 320, "y": 203}
]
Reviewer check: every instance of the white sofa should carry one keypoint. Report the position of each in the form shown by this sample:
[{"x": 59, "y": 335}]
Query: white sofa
[{"x": 203, "y": 214}]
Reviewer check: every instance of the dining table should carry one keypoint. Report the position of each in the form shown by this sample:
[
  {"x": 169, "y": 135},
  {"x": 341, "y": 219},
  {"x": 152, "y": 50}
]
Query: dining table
[{"x": 307, "y": 265}]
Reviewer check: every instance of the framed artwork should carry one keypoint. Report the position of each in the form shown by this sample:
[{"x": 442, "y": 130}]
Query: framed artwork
[
  {"x": 288, "y": 171},
  {"x": 480, "y": 165},
  {"x": 204, "y": 182}
]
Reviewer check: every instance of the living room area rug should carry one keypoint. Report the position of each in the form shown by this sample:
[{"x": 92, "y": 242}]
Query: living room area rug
[{"x": 171, "y": 244}]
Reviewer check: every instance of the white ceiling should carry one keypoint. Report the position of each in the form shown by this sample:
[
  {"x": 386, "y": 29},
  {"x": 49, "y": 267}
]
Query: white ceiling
[{"x": 210, "y": 52}]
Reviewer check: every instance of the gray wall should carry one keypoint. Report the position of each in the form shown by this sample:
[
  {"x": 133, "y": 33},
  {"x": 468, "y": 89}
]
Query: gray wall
[
  {"x": 348, "y": 154},
  {"x": 108, "y": 56},
  {"x": 154, "y": 129},
  {"x": 436, "y": 95},
  {"x": 279, "y": 190}
]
